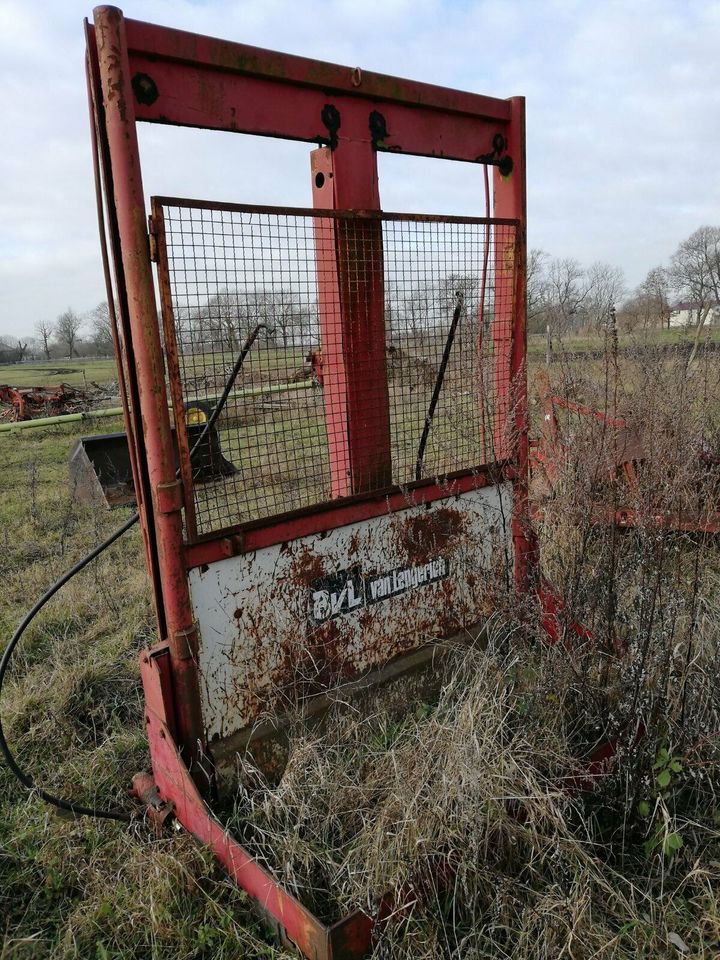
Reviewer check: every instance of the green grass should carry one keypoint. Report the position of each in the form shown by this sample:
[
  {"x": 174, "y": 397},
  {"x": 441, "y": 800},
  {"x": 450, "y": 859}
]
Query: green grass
[
  {"x": 584, "y": 343},
  {"x": 72, "y": 710},
  {"x": 76, "y": 373}
]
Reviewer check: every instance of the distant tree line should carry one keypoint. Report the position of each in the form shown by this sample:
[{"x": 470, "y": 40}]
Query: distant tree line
[
  {"x": 290, "y": 318},
  {"x": 69, "y": 335},
  {"x": 564, "y": 298}
]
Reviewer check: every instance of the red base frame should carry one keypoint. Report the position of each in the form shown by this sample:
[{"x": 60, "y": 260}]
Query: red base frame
[
  {"x": 171, "y": 793},
  {"x": 547, "y": 452},
  {"x": 141, "y": 72}
]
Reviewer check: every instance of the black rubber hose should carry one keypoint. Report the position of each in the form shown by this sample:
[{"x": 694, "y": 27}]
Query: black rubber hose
[
  {"x": 438, "y": 387},
  {"x": 25, "y": 779},
  {"x": 77, "y": 809}
]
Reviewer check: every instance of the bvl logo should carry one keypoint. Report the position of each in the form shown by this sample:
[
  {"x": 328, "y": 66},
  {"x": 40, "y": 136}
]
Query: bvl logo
[{"x": 336, "y": 594}]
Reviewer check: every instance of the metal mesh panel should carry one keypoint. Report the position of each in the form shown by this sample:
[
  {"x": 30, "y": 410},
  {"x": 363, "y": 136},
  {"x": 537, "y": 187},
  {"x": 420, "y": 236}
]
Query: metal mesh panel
[{"x": 358, "y": 311}]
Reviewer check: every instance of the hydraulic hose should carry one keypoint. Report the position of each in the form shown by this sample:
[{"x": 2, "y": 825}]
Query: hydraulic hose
[
  {"x": 69, "y": 806},
  {"x": 438, "y": 386}
]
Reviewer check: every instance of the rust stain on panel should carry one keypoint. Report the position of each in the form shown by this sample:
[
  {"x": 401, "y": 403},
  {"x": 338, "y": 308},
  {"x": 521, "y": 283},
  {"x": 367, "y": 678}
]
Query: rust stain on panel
[
  {"x": 424, "y": 536},
  {"x": 264, "y": 650}
]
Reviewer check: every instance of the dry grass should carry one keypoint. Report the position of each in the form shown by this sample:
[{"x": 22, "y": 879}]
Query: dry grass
[
  {"x": 72, "y": 709},
  {"x": 467, "y": 808},
  {"x": 473, "y": 809}
]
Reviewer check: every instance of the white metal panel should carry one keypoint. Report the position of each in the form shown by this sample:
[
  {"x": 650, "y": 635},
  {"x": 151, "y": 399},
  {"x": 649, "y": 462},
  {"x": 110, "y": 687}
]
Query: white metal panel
[{"x": 295, "y": 618}]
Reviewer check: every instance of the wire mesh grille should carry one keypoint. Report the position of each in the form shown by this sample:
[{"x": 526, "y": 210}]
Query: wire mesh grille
[{"x": 358, "y": 312}]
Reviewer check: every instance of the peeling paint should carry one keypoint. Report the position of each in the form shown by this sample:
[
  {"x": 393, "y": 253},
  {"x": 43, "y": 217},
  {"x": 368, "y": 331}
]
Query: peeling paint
[{"x": 260, "y": 651}]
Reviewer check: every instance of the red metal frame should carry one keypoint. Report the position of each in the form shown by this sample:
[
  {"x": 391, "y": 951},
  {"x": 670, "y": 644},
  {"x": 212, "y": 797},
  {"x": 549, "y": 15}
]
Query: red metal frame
[
  {"x": 263, "y": 533},
  {"x": 142, "y": 72},
  {"x": 356, "y": 401}
]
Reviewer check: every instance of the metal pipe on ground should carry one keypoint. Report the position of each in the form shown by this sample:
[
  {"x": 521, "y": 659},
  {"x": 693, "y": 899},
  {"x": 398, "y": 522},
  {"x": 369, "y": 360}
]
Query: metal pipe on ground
[
  {"x": 60, "y": 419},
  {"x": 117, "y": 411}
]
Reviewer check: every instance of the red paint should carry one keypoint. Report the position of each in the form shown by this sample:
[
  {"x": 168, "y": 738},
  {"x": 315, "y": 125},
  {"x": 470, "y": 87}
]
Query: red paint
[
  {"x": 208, "y": 83},
  {"x": 209, "y": 55},
  {"x": 121, "y": 134},
  {"x": 330, "y": 516},
  {"x": 177, "y": 787},
  {"x": 510, "y": 200},
  {"x": 548, "y": 452},
  {"x": 352, "y": 319}
]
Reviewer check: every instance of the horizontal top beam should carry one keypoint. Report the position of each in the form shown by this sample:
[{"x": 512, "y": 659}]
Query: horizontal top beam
[{"x": 156, "y": 42}]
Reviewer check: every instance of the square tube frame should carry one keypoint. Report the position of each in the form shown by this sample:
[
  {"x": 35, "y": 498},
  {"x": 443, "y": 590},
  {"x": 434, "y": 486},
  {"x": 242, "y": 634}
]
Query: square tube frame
[{"x": 139, "y": 72}]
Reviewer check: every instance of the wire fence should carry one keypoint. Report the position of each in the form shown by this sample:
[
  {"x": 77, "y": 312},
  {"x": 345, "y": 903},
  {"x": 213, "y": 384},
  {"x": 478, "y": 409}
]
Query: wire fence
[{"x": 358, "y": 312}]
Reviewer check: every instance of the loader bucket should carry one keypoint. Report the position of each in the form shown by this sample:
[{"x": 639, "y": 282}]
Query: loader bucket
[{"x": 100, "y": 468}]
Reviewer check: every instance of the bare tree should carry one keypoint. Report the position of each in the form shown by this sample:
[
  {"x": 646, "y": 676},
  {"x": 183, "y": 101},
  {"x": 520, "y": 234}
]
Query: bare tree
[
  {"x": 649, "y": 305},
  {"x": 567, "y": 290},
  {"x": 230, "y": 315},
  {"x": 288, "y": 319},
  {"x": 656, "y": 290},
  {"x": 67, "y": 328},
  {"x": 695, "y": 273},
  {"x": 10, "y": 353},
  {"x": 217, "y": 324},
  {"x": 605, "y": 287},
  {"x": 102, "y": 329},
  {"x": 412, "y": 312},
  {"x": 537, "y": 290},
  {"x": 695, "y": 270},
  {"x": 45, "y": 330}
]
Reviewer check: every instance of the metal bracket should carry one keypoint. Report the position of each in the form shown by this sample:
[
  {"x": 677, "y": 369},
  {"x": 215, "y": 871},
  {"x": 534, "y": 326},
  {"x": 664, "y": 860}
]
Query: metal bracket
[
  {"x": 169, "y": 496},
  {"x": 159, "y": 811},
  {"x": 152, "y": 236},
  {"x": 183, "y": 644}
]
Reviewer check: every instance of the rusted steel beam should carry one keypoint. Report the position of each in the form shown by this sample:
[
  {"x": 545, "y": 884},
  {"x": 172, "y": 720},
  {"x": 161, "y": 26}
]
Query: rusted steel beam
[
  {"x": 262, "y": 533},
  {"x": 157, "y": 225},
  {"x": 352, "y": 319},
  {"x": 335, "y": 214},
  {"x": 199, "y": 97},
  {"x": 163, "y": 43},
  {"x": 512, "y": 421},
  {"x": 191, "y": 80},
  {"x": 296, "y": 925},
  {"x": 121, "y": 133},
  {"x": 330, "y": 312},
  {"x": 124, "y": 359}
]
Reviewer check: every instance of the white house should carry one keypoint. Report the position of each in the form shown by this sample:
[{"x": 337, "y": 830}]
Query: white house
[{"x": 687, "y": 313}]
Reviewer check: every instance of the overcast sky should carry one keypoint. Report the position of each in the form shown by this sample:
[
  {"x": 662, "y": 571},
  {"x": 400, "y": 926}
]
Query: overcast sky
[{"x": 623, "y": 109}]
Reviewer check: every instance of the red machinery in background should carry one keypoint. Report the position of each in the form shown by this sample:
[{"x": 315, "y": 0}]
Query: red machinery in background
[
  {"x": 620, "y": 456},
  {"x": 361, "y": 523},
  {"x": 24, "y": 403}
]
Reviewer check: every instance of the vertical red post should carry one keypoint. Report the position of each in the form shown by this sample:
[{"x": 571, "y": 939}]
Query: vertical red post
[
  {"x": 511, "y": 440},
  {"x": 352, "y": 318},
  {"x": 166, "y": 492}
]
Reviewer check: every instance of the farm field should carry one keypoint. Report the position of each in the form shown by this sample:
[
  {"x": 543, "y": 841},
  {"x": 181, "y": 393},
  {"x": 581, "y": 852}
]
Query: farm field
[
  {"x": 629, "y": 869},
  {"x": 76, "y": 373},
  {"x": 88, "y": 888}
]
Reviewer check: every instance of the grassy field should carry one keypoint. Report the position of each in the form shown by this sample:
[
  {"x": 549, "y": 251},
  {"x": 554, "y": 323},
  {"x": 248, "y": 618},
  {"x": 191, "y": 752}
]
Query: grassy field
[
  {"x": 80, "y": 372},
  {"x": 676, "y": 336},
  {"x": 76, "y": 373},
  {"x": 628, "y": 870},
  {"x": 91, "y": 889}
]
